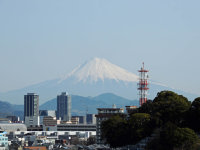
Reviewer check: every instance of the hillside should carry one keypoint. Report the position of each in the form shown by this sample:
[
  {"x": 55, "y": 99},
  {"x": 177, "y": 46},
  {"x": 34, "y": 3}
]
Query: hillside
[
  {"x": 92, "y": 78},
  {"x": 10, "y": 109},
  {"x": 80, "y": 104}
]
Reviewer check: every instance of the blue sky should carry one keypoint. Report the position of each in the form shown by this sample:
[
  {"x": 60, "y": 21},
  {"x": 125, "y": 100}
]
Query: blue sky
[{"x": 42, "y": 40}]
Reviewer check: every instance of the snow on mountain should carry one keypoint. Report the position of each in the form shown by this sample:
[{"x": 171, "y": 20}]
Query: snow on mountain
[
  {"x": 92, "y": 78},
  {"x": 100, "y": 69}
]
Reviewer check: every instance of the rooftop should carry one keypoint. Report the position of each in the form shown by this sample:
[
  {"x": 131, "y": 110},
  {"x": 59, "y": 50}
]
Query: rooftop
[{"x": 9, "y": 127}]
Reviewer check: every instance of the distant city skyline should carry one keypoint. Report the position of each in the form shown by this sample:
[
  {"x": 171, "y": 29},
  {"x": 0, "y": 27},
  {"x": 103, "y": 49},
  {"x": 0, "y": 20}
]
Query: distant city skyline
[{"x": 43, "y": 40}]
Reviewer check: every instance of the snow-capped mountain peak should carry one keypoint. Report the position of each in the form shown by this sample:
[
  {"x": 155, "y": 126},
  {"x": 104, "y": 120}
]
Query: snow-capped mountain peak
[
  {"x": 100, "y": 69},
  {"x": 92, "y": 78}
]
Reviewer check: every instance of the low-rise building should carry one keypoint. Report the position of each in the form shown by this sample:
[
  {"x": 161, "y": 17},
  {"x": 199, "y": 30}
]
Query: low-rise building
[
  {"x": 35, "y": 128},
  {"x": 4, "y": 120},
  {"x": 82, "y": 119},
  {"x": 76, "y": 127},
  {"x": 91, "y": 119},
  {"x": 130, "y": 109},
  {"x": 12, "y": 127},
  {"x": 49, "y": 120},
  {"x": 13, "y": 119},
  {"x": 75, "y": 120},
  {"x": 44, "y": 113},
  {"x": 3, "y": 140},
  {"x": 104, "y": 114},
  {"x": 32, "y": 121},
  {"x": 35, "y": 148}
]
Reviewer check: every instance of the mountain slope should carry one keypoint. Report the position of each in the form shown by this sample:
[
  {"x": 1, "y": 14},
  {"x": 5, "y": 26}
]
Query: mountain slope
[
  {"x": 92, "y": 78},
  {"x": 110, "y": 99},
  {"x": 100, "y": 69},
  {"x": 82, "y": 104},
  {"x": 7, "y": 109}
]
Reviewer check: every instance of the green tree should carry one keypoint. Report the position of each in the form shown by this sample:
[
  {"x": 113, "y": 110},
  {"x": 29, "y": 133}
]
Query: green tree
[
  {"x": 193, "y": 115},
  {"x": 169, "y": 106},
  {"x": 139, "y": 127},
  {"x": 114, "y": 131},
  {"x": 147, "y": 107},
  {"x": 166, "y": 107},
  {"x": 117, "y": 131},
  {"x": 173, "y": 137}
]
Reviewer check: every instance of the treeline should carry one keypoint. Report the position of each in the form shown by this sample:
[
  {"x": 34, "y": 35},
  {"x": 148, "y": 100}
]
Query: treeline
[{"x": 174, "y": 121}]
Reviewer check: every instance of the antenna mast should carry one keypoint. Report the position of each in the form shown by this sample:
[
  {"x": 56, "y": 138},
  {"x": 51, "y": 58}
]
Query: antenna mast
[{"x": 143, "y": 85}]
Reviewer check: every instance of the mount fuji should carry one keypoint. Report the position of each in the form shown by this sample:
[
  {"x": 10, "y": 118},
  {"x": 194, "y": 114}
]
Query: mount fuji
[
  {"x": 99, "y": 70},
  {"x": 92, "y": 78}
]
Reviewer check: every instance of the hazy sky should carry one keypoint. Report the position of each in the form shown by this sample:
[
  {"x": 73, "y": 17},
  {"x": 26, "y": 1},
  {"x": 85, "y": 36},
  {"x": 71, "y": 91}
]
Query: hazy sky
[{"x": 44, "y": 39}]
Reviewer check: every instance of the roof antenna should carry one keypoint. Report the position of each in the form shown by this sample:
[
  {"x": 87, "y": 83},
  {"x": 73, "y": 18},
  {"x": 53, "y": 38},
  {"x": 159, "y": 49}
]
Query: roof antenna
[
  {"x": 86, "y": 110},
  {"x": 143, "y": 65}
]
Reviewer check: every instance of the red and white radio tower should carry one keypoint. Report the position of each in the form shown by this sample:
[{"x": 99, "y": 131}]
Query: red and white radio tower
[{"x": 143, "y": 85}]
